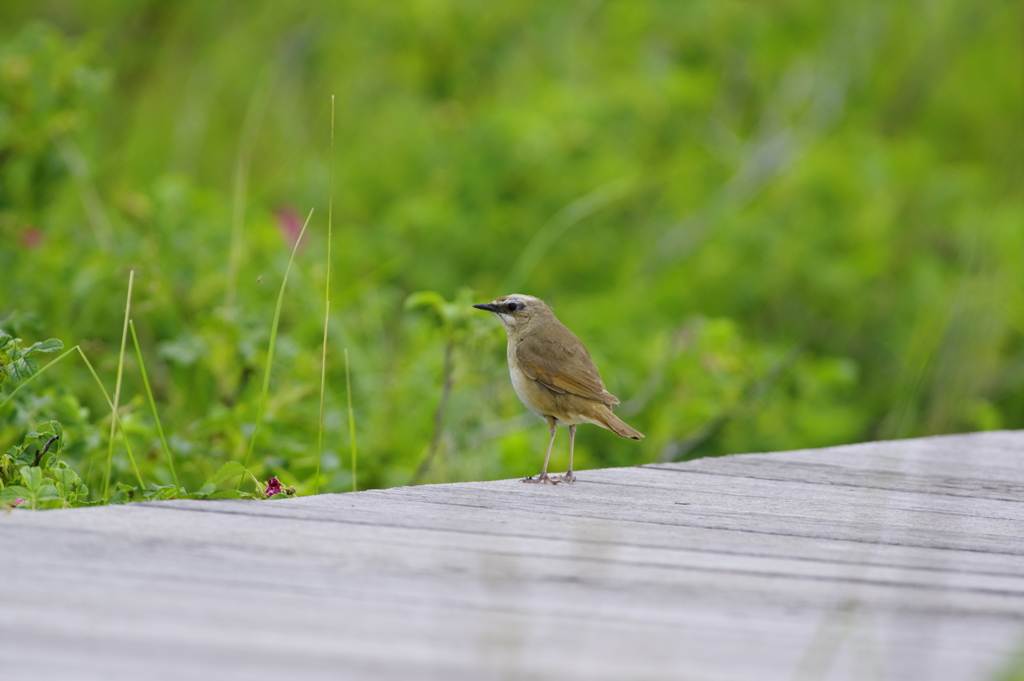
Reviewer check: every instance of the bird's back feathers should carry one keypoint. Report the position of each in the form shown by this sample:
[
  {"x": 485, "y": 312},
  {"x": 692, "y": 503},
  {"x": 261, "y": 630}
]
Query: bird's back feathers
[{"x": 564, "y": 366}]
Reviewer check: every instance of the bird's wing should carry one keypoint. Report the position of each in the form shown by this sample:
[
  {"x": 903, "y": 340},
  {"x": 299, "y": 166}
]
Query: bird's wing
[{"x": 562, "y": 368}]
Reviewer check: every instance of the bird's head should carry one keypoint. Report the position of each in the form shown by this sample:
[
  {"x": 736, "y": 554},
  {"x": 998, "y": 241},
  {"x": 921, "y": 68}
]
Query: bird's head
[{"x": 516, "y": 311}]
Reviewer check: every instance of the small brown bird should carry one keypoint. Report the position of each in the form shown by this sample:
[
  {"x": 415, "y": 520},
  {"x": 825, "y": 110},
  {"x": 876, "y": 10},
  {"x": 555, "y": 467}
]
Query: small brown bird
[{"x": 553, "y": 374}]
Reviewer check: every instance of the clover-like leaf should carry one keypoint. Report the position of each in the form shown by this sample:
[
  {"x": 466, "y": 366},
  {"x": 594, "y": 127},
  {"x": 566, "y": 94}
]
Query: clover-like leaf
[
  {"x": 21, "y": 368},
  {"x": 50, "y": 345},
  {"x": 228, "y": 470},
  {"x": 32, "y": 476}
]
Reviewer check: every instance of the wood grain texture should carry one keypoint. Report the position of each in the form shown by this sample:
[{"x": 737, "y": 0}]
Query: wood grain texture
[{"x": 891, "y": 560}]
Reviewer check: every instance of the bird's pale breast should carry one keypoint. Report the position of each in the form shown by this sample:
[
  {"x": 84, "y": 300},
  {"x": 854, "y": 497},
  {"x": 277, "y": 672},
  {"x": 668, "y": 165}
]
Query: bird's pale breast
[{"x": 542, "y": 401}]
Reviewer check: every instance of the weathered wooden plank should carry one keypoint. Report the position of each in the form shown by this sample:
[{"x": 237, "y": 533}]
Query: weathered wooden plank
[{"x": 867, "y": 561}]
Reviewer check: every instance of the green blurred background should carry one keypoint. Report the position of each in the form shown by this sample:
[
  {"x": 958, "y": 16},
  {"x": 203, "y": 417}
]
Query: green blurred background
[{"x": 775, "y": 224}]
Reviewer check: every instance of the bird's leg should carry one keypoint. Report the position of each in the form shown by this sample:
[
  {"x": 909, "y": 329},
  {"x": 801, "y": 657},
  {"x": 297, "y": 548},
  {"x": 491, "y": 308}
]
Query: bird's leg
[
  {"x": 568, "y": 477},
  {"x": 543, "y": 477}
]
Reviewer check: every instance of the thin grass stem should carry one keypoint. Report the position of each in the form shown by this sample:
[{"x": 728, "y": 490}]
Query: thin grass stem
[
  {"x": 323, "y": 387},
  {"x": 117, "y": 385},
  {"x": 36, "y": 375},
  {"x": 327, "y": 314},
  {"x": 117, "y": 418},
  {"x": 152, "y": 405},
  {"x": 270, "y": 350},
  {"x": 106, "y": 396},
  {"x": 351, "y": 423}
]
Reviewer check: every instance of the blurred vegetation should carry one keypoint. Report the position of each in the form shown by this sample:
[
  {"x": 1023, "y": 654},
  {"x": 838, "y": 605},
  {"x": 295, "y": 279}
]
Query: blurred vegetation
[{"x": 775, "y": 225}]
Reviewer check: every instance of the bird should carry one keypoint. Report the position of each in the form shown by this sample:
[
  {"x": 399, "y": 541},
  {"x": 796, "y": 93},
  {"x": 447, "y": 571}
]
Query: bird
[{"x": 553, "y": 375}]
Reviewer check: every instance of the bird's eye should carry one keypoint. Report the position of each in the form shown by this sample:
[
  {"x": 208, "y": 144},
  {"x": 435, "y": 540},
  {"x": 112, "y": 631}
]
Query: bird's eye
[{"x": 512, "y": 307}]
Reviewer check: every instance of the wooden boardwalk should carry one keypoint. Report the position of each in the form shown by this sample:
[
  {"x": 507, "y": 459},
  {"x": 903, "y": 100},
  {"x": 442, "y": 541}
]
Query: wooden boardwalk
[{"x": 900, "y": 561}]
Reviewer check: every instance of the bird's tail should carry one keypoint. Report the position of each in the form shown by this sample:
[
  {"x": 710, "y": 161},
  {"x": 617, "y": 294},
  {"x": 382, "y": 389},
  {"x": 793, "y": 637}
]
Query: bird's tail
[{"x": 613, "y": 423}]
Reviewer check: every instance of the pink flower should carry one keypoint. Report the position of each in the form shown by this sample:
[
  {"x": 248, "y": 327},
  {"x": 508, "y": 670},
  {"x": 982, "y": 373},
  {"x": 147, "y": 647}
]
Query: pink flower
[
  {"x": 289, "y": 223},
  {"x": 32, "y": 237},
  {"x": 273, "y": 487},
  {"x": 17, "y": 502}
]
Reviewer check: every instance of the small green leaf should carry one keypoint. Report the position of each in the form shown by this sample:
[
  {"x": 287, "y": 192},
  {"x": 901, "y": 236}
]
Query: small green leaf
[
  {"x": 66, "y": 476},
  {"x": 47, "y": 492},
  {"x": 158, "y": 492},
  {"x": 13, "y": 348},
  {"x": 33, "y": 477},
  {"x": 68, "y": 481},
  {"x": 13, "y": 493},
  {"x": 228, "y": 470},
  {"x": 22, "y": 368},
  {"x": 50, "y": 345},
  {"x": 202, "y": 491},
  {"x": 122, "y": 494}
]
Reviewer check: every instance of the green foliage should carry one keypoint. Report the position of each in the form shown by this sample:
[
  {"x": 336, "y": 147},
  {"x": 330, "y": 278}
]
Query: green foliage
[
  {"x": 458, "y": 322},
  {"x": 774, "y": 226},
  {"x": 18, "y": 364},
  {"x": 32, "y": 474},
  {"x": 47, "y": 87}
]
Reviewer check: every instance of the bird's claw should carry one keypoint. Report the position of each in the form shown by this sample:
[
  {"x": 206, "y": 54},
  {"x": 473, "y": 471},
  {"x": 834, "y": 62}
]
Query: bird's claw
[{"x": 568, "y": 478}]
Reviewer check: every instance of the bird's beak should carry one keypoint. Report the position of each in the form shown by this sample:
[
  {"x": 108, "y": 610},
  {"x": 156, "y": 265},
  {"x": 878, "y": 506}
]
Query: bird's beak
[{"x": 490, "y": 307}]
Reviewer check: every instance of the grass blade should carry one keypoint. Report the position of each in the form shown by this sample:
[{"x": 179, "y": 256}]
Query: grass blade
[
  {"x": 351, "y": 423},
  {"x": 36, "y": 375},
  {"x": 117, "y": 385},
  {"x": 106, "y": 396},
  {"x": 323, "y": 387},
  {"x": 152, "y": 405},
  {"x": 327, "y": 315},
  {"x": 117, "y": 418},
  {"x": 270, "y": 349}
]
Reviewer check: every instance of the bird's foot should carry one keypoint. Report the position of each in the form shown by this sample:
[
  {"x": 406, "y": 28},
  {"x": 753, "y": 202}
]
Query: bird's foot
[
  {"x": 568, "y": 478},
  {"x": 543, "y": 477}
]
